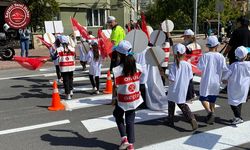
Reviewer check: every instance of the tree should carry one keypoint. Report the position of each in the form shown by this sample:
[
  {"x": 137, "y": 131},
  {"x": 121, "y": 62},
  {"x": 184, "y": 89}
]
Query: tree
[
  {"x": 41, "y": 10},
  {"x": 181, "y": 12}
]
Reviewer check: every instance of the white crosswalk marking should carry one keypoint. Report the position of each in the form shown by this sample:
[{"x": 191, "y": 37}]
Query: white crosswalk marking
[
  {"x": 222, "y": 138},
  {"x": 106, "y": 122}
]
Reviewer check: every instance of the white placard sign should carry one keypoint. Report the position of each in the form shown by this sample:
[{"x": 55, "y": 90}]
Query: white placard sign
[
  {"x": 49, "y": 38},
  {"x": 159, "y": 54},
  {"x": 71, "y": 42},
  {"x": 167, "y": 26},
  {"x": 157, "y": 37},
  {"x": 53, "y": 26},
  {"x": 138, "y": 40}
]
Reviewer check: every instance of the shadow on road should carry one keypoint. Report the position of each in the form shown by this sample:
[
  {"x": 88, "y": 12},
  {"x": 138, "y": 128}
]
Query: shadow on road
[{"x": 77, "y": 140}]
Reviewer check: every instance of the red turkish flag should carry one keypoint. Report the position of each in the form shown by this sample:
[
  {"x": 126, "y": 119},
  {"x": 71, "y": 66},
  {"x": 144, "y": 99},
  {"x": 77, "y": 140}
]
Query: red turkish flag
[
  {"x": 104, "y": 43},
  {"x": 48, "y": 45},
  {"x": 82, "y": 29},
  {"x": 31, "y": 63}
]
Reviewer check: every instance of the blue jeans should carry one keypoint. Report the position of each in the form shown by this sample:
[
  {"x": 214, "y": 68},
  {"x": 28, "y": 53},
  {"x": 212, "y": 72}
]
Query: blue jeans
[{"x": 24, "y": 47}]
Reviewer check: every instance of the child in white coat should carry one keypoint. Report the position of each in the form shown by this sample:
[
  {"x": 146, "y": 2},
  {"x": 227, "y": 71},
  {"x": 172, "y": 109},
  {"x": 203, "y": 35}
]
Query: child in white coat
[
  {"x": 238, "y": 83},
  {"x": 212, "y": 65},
  {"x": 180, "y": 75},
  {"x": 94, "y": 61}
]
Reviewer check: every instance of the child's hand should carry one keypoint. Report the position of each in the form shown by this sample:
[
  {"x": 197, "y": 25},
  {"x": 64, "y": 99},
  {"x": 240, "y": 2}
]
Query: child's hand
[{"x": 224, "y": 81}]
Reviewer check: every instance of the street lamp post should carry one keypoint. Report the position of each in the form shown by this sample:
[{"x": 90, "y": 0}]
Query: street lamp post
[{"x": 195, "y": 16}]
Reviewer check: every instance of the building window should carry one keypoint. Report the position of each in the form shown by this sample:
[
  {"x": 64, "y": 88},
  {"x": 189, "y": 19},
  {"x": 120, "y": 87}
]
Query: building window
[{"x": 96, "y": 17}]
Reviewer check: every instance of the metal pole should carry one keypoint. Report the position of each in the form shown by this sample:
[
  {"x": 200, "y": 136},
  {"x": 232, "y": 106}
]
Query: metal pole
[
  {"x": 195, "y": 16},
  {"x": 218, "y": 31}
]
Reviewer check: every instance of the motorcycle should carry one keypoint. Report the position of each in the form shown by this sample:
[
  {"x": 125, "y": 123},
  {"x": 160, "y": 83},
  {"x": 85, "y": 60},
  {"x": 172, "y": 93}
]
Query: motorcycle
[{"x": 6, "y": 51}]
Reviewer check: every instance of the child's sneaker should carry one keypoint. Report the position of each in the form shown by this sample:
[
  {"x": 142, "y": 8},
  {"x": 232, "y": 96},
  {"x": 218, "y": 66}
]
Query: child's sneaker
[
  {"x": 68, "y": 97},
  {"x": 194, "y": 124},
  {"x": 94, "y": 89},
  {"x": 130, "y": 147},
  {"x": 210, "y": 118},
  {"x": 97, "y": 92},
  {"x": 124, "y": 143},
  {"x": 237, "y": 121},
  {"x": 71, "y": 93}
]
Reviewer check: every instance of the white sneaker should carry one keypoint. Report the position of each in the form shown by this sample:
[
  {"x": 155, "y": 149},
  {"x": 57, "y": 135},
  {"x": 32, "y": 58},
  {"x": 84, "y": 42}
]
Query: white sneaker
[
  {"x": 237, "y": 121},
  {"x": 97, "y": 92},
  {"x": 68, "y": 97},
  {"x": 94, "y": 89},
  {"x": 71, "y": 93}
]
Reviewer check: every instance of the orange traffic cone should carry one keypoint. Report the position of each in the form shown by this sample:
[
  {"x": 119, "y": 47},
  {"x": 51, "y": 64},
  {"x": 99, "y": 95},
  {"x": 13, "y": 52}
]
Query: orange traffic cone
[
  {"x": 56, "y": 101},
  {"x": 108, "y": 89}
]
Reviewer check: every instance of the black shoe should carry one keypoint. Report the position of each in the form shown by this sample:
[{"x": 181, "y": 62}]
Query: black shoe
[
  {"x": 210, "y": 118},
  {"x": 194, "y": 124},
  {"x": 169, "y": 122}
]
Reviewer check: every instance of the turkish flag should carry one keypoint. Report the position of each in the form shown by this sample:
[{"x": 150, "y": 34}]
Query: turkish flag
[
  {"x": 31, "y": 63},
  {"x": 105, "y": 45},
  {"x": 144, "y": 24},
  {"x": 48, "y": 45},
  {"x": 83, "y": 31}
]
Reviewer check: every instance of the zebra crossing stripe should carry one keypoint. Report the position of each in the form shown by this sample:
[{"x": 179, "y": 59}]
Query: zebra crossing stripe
[
  {"x": 221, "y": 138},
  {"x": 87, "y": 102},
  {"x": 106, "y": 122}
]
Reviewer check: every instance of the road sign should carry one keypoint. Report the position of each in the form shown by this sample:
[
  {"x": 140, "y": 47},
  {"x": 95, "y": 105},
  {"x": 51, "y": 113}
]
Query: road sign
[{"x": 219, "y": 7}]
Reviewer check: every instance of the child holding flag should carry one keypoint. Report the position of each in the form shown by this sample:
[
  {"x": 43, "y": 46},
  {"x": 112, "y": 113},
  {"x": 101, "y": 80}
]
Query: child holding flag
[
  {"x": 180, "y": 74},
  {"x": 212, "y": 65}
]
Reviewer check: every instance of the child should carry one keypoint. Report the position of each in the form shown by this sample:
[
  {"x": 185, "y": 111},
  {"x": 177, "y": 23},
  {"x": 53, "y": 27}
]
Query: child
[
  {"x": 212, "y": 65},
  {"x": 94, "y": 61},
  {"x": 54, "y": 56},
  {"x": 83, "y": 52},
  {"x": 127, "y": 93},
  {"x": 238, "y": 83},
  {"x": 66, "y": 60},
  {"x": 180, "y": 74},
  {"x": 192, "y": 47}
]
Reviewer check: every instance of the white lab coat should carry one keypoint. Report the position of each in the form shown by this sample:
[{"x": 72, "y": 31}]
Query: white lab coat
[
  {"x": 238, "y": 82},
  {"x": 212, "y": 65},
  {"x": 82, "y": 52},
  {"x": 140, "y": 59},
  {"x": 179, "y": 80},
  {"x": 94, "y": 66}
]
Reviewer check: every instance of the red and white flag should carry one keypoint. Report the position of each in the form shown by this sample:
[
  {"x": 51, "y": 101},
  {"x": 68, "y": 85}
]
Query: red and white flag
[
  {"x": 144, "y": 24},
  {"x": 83, "y": 31},
  {"x": 105, "y": 45}
]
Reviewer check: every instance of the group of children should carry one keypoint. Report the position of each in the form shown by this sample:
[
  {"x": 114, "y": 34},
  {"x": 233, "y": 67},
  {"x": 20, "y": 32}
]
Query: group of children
[
  {"x": 63, "y": 56},
  {"x": 127, "y": 74},
  {"x": 214, "y": 71}
]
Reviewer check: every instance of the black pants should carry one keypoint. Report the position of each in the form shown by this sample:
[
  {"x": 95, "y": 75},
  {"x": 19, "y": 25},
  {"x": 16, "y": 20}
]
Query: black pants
[
  {"x": 67, "y": 81},
  {"x": 162, "y": 78},
  {"x": 190, "y": 92},
  {"x": 58, "y": 73},
  {"x": 184, "y": 108},
  {"x": 83, "y": 63},
  {"x": 94, "y": 83},
  {"x": 236, "y": 110},
  {"x": 129, "y": 119},
  {"x": 143, "y": 95}
]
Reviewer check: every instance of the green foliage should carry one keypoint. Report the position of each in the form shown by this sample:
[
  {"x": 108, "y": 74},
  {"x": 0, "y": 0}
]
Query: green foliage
[
  {"x": 41, "y": 10},
  {"x": 181, "y": 12}
]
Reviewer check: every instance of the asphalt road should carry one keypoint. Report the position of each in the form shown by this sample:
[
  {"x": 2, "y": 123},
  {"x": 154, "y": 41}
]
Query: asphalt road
[{"x": 25, "y": 96}]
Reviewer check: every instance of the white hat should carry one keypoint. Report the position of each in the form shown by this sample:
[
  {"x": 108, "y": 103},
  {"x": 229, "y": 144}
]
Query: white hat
[
  {"x": 179, "y": 48},
  {"x": 212, "y": 41},
  {"x": 241, "y": 52},
  {"x": 124, "y": 47},
  {"x": 110, "y": 19},
  {"x": 63, "y": 39},
  {"x": 93, "y": 42},
  {"x": 188, "y": 32}
]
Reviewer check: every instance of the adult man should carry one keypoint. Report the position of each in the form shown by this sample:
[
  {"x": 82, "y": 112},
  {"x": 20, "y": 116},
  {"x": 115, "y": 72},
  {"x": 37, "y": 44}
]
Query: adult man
[
  {"x": 117, "y": 35},
  {"x": 24, "y": 41},
  {"x": 240, "y": 37}
]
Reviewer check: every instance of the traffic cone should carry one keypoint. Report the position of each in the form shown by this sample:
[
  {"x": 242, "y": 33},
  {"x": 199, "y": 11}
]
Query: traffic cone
[
  {"x": 56, "y": 101},
  {"x": 108, "y": 89}
]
